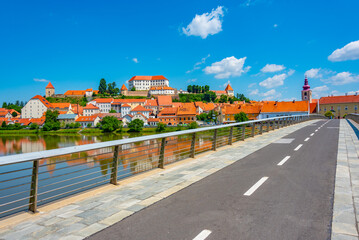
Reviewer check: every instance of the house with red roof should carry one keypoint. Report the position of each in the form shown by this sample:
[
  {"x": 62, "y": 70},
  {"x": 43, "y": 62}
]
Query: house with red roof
[
  {"x": 88, "y": 120},
  {"x": 35, "y": 107},
  {"x": 49, "y": 90},
  {"x": 339, "y": 105},
  {"x": 277, "y": 109},
  {"x": 146, "y": 82},
  {"x": 139, "y": 109},
  {"x": 228, "y": 91},
  {"x": 104, "y": 104},
  {"x": 162, "y": 90},
  {"x": 90, "y": 110}
]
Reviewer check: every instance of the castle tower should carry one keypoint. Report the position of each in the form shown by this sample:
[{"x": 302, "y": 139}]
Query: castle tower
[
  {"x": 306, "y": 92},
  {"x": 229, "y": 90},
  {"x": 123, "y": 90},
  {"x": 49, "y": 90}
]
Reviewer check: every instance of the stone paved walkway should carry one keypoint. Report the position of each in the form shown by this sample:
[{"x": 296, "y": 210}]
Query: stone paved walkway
[
  {"x": 83, "y": 218},
  {"x": 346, "y": 196}
]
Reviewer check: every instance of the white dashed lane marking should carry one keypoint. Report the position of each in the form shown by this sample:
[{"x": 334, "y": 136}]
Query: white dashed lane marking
[
  {"x": 299, "y": 146},
  {"x": 255, "y": 186},
  {"x": 283, "y": 161},
  {"x": 202, "y": 235},
  {"x": 312, "y": 134},
  {"x": 306, "y": 139}
]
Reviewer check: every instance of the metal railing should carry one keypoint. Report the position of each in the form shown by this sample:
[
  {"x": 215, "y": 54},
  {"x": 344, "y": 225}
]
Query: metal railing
[{"x": 31, "y": 179}]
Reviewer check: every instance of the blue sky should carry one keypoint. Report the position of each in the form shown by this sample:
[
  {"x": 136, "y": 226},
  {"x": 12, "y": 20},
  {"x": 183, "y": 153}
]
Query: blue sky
[{"x": 76, "y": 43}]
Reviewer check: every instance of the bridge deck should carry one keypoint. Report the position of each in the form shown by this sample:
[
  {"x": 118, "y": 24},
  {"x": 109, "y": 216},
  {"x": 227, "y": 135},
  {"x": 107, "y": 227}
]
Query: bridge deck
[{"x": 86, "y": 217}]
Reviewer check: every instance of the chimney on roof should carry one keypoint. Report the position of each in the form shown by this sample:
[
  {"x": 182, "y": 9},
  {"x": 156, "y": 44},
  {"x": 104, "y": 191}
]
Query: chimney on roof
[
  {"x": 356, "y": 94},
  {"x": 293, "y": 100},
  {"x": 275, "y": 104},
  {"x": 346, "y": 94}
]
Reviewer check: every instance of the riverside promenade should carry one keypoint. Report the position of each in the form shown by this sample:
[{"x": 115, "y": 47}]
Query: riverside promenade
[{"x": 226, "y": 175}]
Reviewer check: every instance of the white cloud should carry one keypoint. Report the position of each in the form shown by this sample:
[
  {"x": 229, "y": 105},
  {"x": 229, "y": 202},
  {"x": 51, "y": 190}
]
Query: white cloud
[
  {"x": 192, "y": 80},
  {"x": 275, "y": 81},
  {"x": 135, "y": 60},
  {"x": 252, "y": 85},
  {"x": 320, "y": 91},
  {"x": 348, "y": 52},
  {"x": 41, "y": 80},
  {"x": 269, "y": 95},
  {"x": 353, "y": 92},
  {"x": 272, "y": 68},
  {"x": 342, "y": 78},
  {"x": 290, "y": 72},
  {"x": 197, "y": 64},
  {"x": 227, "y": 67},
  {"x": 314, "y": 73},
  {"x": 205, "y": 24}
]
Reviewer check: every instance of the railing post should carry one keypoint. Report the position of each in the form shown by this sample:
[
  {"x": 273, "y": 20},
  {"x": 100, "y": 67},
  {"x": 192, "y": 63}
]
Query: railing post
[
  {"x": 230, "y": 136},
  {"x": 267, "y": 126},
  {"x": 214, "y": 147},
  {"x": 253, "y": 129},
  {"x": 162, "y": 153},
  {"x": 34, "y": 187},
  {"x": 285, "y": 122},
  {"x": 278, "y": 124},
  {"x": 193, "y": 144},
  {"x": 243, "y": 132},
  {"x": 261, "y": 128},
  {"x": 114, "y": 166}
]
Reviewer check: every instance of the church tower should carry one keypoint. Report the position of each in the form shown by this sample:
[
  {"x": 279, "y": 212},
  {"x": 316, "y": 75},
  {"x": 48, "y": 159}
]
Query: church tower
[
  {"x": 50, "y": 90},
  {"x": 306, "y": 92}
]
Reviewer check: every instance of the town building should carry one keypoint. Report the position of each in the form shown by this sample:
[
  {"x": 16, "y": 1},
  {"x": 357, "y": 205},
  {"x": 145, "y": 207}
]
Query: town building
[
  {"x": 117, "y": 103},
  {"x": 104, "y": 104},
  {"x": 35, "y": 107},
  {"x": 67, "y": 118},
  {"x": 139, "y": 109},
  {"x": 168, "y": 116},
  {"x": 339, "y": 105},
  {"x": 152, "y": 105},
  {"x": 251, "y": 109},
  {"x": 228, "y": 92},
  {"x": 227, "y": 113},
  {"x": 88, "y": 121},
  {"x": 186, "y": 113},
  {"x": 81, "y": 93},
  {"x": 202, "y": 107},
  {"x": 306, "y": 92},
  {"x": 153, "y": 122},
  {"x": 62, "y": 108},
  {"x": 146, "y": 82},
  {"x": 123, "y": 90},
  {"x": 49, "y": 90},
  {"x": 5, "y": 113},
  {"x": 162, "y": 90},
  {"x": 272, "y": 109},
  {"x": 90, "y": 110},
  {"x": 164, "y": 102}
]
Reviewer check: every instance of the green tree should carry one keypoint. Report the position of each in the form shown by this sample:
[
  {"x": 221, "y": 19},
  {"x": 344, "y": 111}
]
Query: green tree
[
  {"x": 231, "y": 100},
  {"x": 103, "y": 86},
  {"x": 206, "y": 88},
  {"x": 112, "y": 89},
  {"x": 14, "y": 114},
  {"x": 241, "y": 117},
  {"x": 209, "y": 96},
  {"x": 4, "y": 105},
  {"x": 34, "y": 126},
  {"x": 223, "y": 98},
  {"x": 193, "y": 125},
  {"x": 110, "y": 124},
  {"x": 189, "y": 88},
  {"x": 202, "y": 117},
  {"x": 133, "y": 89},
  {"x": 112, "y": 111},
  {"x": 161, "y": 127},
  {"x": 329, "y": 114},
  {"x": 89, "y": 125},
  {"x": 51, "y": 122},
  {"x": 135, "y": 125},
  {"x": 241, "y": 97},
  {"x": 3, "y": 124}
]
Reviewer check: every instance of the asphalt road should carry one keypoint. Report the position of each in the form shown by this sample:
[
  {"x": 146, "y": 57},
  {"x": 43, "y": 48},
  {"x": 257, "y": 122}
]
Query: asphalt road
[{"x": 254, "y": 198}]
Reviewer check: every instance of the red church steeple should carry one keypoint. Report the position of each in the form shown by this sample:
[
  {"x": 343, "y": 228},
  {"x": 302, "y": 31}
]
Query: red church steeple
[{"x": 306, "y": 85}]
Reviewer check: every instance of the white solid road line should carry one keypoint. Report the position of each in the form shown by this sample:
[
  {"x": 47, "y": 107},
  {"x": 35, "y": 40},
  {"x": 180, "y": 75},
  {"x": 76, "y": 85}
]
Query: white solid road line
[
  {"x": 299, "y": 146},
  {"x": 306, "y": 139},
  {"x": 312, "y": 134},
  {"x": 202, "y": 235},
  {"x": 283, "y": 161},
  {"x": 255, "y": 186}
]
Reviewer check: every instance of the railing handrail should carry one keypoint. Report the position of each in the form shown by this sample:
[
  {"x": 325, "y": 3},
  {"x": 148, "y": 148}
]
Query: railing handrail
[{"x": 27, "y": 157}]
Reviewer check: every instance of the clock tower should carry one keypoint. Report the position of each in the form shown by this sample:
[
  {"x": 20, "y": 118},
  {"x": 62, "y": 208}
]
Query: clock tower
[{"x": 306, "y": 92}]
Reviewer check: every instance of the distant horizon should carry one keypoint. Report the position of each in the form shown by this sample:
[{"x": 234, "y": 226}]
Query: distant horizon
[{"x": 262, "y": 48}]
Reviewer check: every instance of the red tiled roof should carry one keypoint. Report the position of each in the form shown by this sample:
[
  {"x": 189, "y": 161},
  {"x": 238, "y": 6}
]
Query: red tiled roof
[
  {"x": 49, "y": 85},
  {"x": 139, "y": 108},
  {"x": 90, "y": 106},
  {"x": 296, "y": 106},
  {"x": 103, "y": 100},
  {"x": 205, "y": 106},
  {"x": 339, "y": 99},
  {"x": 164, "y": 100},
  {"x": 87, "y": 118},
  {"x": 43, "y": 100},
  {"x": 38, "y": 121},
  {"x": 313, "y": 107},
  {"x": 153, "y": 120},
  {"x": 161, "y": 88},
  {"x": 121, "y": 101},
  {"x": 168, "y": 111},
  {"x": 253, "y": 108},
  {"x": 61, "y": 105},
  {"x": 151, "y": 102},
  {"x": 123, "y": 87},
  {"x": 139, "y": 113},
  {"x": 151, "y": 78},
  {"x": 229, "y": 88},
  {"x": 230, "y": 109},
  {"x": 219, "y": 92},
  {"x": 22, "y": 121},
  {"x": 125, "y": 105}
]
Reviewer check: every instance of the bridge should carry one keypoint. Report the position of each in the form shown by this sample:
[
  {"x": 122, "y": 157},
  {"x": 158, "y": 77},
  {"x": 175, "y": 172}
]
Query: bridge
[{"x": 293, "y": 177}]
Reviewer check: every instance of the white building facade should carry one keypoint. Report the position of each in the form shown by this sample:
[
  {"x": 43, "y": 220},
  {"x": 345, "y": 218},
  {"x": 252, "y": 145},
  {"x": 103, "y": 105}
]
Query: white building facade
[
  {"x": 35, "y": 107},
  {"x": 146, "y": 82}
]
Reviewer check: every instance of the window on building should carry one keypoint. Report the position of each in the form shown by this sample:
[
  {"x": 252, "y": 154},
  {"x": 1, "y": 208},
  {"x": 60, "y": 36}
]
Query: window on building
[
  {"x": 346, "y": 108},
  {"x": 338, "y": 108},
  {"x": 331, "y": 108},
  {"x": 356, "y": 107}
]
